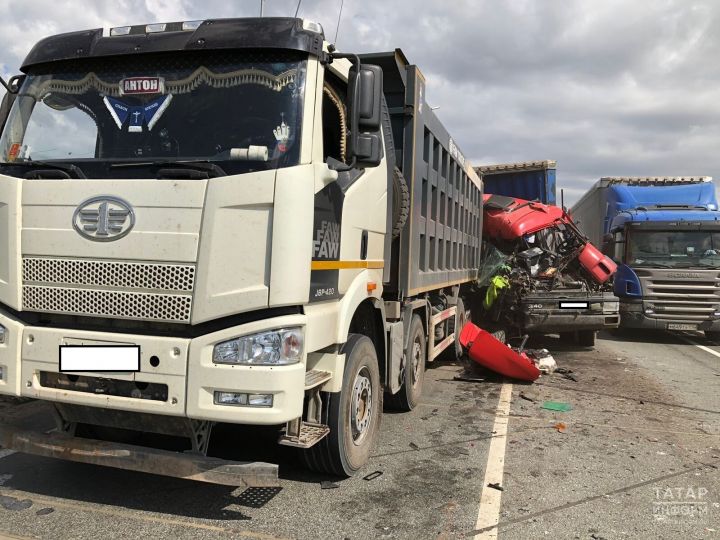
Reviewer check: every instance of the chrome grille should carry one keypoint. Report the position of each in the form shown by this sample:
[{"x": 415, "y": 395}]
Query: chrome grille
[
  {"x": 133, "y": 290},
  {"x": 690, "y": 299}
]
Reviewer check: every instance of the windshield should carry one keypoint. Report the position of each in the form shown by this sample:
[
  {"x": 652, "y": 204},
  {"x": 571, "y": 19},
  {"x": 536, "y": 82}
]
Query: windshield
[
  {"x": 240, "y": 110},
  {"x": 674, "y": 249}
]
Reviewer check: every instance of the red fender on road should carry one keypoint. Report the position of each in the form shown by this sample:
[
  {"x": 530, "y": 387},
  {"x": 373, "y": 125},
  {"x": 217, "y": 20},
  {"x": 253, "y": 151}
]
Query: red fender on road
[{"x": 483, "y": 348}]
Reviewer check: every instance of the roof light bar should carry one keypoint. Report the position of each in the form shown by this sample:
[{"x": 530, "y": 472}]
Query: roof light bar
[
  {"x": 312, "y": 26},
  {"x": 120, "y": 31},
  {"x": 156, "y": 27},
  {"x": 191, "y": 25}
]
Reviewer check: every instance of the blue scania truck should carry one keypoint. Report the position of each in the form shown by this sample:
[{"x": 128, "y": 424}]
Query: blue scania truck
[{"x": 664, "y": 233}]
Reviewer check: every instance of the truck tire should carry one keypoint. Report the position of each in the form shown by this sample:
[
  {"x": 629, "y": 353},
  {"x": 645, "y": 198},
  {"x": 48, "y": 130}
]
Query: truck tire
[
  {"x": 353, "y": 414},
  {"x": 455, "y": 325},
  {"x": 401, "y": 203},
  {"x": 567, "y": 337},
  {"x": 586, "y": 338},
  {"x": 415, "y": 355}
]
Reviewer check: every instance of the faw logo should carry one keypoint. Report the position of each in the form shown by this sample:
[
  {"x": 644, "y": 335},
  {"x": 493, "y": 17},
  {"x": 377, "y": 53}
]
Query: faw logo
[
  {"x": 104, "y": 219},
  {"x": 683, "y": 275},
  {"x": 327, "y": 241}
]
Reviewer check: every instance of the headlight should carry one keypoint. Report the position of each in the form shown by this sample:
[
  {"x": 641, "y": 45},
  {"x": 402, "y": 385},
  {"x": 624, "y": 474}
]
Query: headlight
[
  {"x": 273, "y": 348},
  {"x": 3, "y": 334}
]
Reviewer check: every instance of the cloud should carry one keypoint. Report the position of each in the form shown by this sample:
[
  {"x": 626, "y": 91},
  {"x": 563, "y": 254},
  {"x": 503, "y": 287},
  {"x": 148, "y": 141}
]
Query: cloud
[{"x": 605, "y": 88}]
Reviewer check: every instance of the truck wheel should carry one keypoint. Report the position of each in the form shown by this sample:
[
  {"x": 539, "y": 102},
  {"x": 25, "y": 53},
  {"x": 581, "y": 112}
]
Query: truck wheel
[
  {"x": 712, "y": 335},
  {"x": 353, "y": 414},
  {"x": 586, "y": 338},
  {"x": 415, "y": 356},
  {"x": 401, "y": 203},
  {"x": 455, "y": 325}
]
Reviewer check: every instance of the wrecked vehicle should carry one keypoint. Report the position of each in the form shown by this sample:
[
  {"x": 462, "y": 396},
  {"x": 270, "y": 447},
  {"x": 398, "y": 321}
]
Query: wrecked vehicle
[{"x": 539, "y": 274}]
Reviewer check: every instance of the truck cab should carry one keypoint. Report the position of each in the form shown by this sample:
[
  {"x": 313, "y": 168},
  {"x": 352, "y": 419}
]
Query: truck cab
[
  {"x": 248, "y": 212},
  {"x": 665, "y": 234},
  {"x": 548, "y": 291}
]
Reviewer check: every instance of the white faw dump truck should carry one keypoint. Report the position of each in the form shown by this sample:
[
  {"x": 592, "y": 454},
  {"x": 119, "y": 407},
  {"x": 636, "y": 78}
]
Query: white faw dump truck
[{"x": 224, "y": 221}]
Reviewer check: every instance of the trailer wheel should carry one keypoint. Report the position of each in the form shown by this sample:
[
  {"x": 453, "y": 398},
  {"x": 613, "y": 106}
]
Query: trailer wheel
[
  {"x": 586, "y": 338},
  {"x": 401, "y": 203},
  {"x": 415, "y": 356},
  {"x": 353, "y": 414}
]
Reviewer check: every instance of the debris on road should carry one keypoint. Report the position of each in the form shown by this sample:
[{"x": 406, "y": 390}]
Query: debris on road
[
  {"x": 497, "y": 486},
  {"x": 326, "y": 484},
  {"x": 543, "y": 359},
  {"x": 560, "y": 427},
  {"x": 556, "y": 406},
  {"x": 15, "y": 504},
  {"x": 414, "y": 446},
  {"x": 373, "y": 475},
  {"x": 487, "y": 351},
  {"x": 464, "y": 377},
  {"x": 44, "y": 511},
  {"x": 528, "y": 396}
]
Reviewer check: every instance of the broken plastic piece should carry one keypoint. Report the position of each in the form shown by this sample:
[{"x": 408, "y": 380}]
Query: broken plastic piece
[
  {"x": 487, "y": 351},
  {"x": 497, "y": 486},
  {"x": 547, "y": 364},
  {"x": 560, "y": 427},
  {"x": 556, "y": 406},
  {"x": 372, "y": 475}
]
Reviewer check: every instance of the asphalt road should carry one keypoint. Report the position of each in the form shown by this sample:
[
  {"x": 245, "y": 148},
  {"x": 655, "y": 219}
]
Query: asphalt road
[{"x": 637, "y": 456}]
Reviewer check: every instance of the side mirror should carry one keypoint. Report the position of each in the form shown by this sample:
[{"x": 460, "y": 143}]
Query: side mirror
[
  {"x": 365, "y": 93},
  {"x": 7, "y": 103},
  {"x": 369, "y": 88},
  {"x": 13, "y": 87}
]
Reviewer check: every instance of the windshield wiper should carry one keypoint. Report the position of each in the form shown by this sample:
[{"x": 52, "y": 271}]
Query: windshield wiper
[
  {"x": 65, "y": 167},
  {"x": 212, "y": 169}
]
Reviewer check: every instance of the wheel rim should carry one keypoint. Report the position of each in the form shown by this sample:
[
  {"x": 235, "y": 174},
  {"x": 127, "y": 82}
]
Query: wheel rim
[
  {"x": 416, "y": 360},
  {"x": 361, "y": 407}
]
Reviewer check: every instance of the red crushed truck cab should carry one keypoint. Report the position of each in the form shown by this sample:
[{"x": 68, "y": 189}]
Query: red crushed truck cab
[{"x": 548, "y": 265}]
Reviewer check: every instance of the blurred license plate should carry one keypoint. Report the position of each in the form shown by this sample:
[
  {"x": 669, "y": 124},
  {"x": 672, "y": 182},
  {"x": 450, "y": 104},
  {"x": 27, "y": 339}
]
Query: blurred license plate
[
  {"x": 99, "y": 358},
  {"x": 673, "y": 326}
]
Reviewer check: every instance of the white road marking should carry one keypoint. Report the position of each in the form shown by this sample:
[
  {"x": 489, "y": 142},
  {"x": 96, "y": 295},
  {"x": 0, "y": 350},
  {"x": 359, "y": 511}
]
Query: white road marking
[
  {"x": 703, "y": 347},
  {"x": 489, "y": 510}
]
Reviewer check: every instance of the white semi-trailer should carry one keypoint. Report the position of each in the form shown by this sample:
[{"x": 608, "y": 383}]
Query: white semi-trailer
[{"x": 220, "y": 221}]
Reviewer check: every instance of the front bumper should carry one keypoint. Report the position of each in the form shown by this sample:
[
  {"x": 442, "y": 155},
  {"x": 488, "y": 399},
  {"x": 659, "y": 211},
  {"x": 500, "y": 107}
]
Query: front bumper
[
  {"x": 137, "y": 458},
  {"x": 184, "y": 365},
  {"x": 543, "y": 315},
  {"x": 632, "y": 315}
]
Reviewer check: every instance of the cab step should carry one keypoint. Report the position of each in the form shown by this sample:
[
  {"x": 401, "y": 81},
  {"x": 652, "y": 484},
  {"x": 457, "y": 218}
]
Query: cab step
[
  {"x": 316, "y": 377},
  {"x": 309, "y": 435}
]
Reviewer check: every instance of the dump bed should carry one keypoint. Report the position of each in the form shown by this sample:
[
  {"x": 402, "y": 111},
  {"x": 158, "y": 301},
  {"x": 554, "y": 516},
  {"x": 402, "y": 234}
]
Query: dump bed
[
  {"x": 440, "y": 243},
  {"x": 530, "y": 180}
]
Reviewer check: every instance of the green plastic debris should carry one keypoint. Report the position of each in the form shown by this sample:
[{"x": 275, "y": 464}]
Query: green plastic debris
[
  {"x": 556, "y": 406},
  {"x": 497, "y": 283}
]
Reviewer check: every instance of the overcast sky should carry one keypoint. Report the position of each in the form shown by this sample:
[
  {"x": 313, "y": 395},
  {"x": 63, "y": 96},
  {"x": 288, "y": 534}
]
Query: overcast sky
[{"x": 605, "y": 87}]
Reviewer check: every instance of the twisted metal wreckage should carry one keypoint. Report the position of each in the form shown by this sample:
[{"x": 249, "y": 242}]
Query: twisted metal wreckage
[{"x": 528, "y": 247}]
